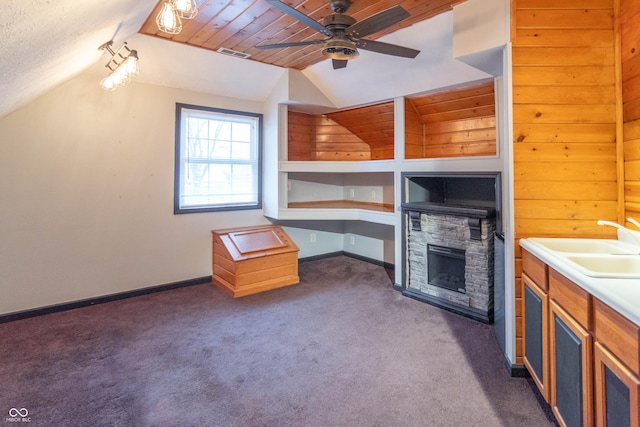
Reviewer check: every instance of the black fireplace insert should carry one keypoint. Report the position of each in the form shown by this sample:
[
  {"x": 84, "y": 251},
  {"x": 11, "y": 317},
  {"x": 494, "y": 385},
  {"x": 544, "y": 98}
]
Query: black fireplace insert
[{"x": 446, "y": 267}]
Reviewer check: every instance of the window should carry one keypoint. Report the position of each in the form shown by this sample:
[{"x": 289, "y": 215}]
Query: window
[{"x": 217, "y": 160}]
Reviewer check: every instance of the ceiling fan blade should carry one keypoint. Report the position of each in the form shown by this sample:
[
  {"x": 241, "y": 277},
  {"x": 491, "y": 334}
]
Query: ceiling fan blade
[
  {"x": 292, "y": 44},
  {"x": 377, "y": 22},
  {"x": 339, "y": 63},
  {"x": 387, "y": 48},
  {"x": 315, "y": 25}
]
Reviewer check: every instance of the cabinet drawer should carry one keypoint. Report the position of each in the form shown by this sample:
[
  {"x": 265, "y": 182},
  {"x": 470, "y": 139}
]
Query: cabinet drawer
[
  {"x": 535, "y": 269},
  {"x": 618, "y": 334},
  {"x": 575, "y": 300}
]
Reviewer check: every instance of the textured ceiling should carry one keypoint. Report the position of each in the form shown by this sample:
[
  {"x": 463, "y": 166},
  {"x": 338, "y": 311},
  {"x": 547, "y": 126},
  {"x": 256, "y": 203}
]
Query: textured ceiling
[{"x": 43, "y": 42}]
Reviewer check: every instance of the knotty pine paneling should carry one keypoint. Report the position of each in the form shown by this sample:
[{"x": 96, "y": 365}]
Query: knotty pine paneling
[
  {"x": 365, "y": 133},
  {"x": 414, "y": 132},
  {"x": 317, "y": 137},
  {"x": 336, "y": 143},
  {"x": 630, "y": 56},
  {"x": 563, "y": 210},
  {"x": 373, "y": 124},
  {"x": 564, "y": 114},
  {"x": 301, "y": 137},
  {"x": 454, "y": 123}
]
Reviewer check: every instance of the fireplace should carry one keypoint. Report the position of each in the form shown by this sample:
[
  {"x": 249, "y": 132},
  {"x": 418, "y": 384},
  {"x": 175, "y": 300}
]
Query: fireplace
[
  {"x": 449, "y": 233},
  {"x": 446, "y": 267}
]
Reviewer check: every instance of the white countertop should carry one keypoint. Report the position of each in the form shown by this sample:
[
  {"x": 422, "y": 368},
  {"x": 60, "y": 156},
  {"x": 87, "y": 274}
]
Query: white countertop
[{"x": 623, "y": 295}]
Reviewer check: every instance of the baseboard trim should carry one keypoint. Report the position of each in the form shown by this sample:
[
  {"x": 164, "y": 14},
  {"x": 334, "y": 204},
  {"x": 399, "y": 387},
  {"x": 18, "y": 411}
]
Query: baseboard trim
[
  {"x": 386, "y": 265},
  {"x": 517, "y": 370},
  {"x": 56, "y": 308},
  {"x": 469, "y": 312},
  {"x": 19, "y": 315},
  {"x": 321, "y": 256}
]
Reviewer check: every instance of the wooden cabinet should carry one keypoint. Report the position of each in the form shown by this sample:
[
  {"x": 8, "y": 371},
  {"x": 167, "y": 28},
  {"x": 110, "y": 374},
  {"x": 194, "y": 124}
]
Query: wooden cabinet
[
  {"x": 583, "y": 355},
  {"x": 616, "y": 368},
  {"x": 536, "y": 354},
  {"x": 249, "y": 260},
  {"x": 535, "y": 314},
  {"x": 570, "y": 350},
  {"x": 536, "y": 328},
  {"x": 617, "y": 390}
]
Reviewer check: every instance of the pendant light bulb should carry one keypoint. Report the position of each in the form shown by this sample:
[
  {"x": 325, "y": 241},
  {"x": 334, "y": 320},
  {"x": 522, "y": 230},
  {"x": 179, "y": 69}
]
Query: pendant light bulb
[
  {"x": 187, "y": 9},
  {"x": 168, "y": 19}
]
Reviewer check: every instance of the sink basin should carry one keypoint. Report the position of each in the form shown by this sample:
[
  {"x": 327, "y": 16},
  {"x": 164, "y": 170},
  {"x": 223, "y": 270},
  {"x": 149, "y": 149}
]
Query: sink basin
[
  {"x": 611, "y": 266},
  {"x": 586, "y": 246}
]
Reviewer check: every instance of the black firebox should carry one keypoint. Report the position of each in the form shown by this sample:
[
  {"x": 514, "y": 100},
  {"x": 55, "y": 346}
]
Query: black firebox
[{"x": 446, "y": 267}]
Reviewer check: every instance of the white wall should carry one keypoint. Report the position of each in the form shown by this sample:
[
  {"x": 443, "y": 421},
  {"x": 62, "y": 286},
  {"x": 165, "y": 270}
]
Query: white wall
[
  {"x": 374, "y": 77},
  {"x": 86, "y": 178},
  {"x": 316, "y": 237}
]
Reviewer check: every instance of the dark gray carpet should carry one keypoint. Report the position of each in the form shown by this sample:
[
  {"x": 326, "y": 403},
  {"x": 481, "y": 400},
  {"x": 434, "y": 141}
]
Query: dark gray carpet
[{"x": 342, "y": 348}]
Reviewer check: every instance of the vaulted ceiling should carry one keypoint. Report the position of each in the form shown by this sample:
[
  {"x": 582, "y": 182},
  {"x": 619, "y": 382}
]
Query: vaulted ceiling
[
  {"x": 240, "y": 25},
  {"x": 45, "y": 43}
]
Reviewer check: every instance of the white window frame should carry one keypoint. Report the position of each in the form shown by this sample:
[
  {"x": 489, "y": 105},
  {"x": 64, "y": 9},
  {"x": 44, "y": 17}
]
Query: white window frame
[{"x": 189, "y": 200}]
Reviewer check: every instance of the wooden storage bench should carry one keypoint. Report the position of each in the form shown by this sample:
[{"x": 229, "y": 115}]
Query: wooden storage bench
[{"x": 249, "y": 260}]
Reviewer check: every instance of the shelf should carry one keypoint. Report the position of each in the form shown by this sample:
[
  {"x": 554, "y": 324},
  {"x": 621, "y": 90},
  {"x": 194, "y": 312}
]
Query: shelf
[
  {"x": 342, "y": 204},
  {"x": 320, "y": 214},
  {"x": 338, "y": 167}
]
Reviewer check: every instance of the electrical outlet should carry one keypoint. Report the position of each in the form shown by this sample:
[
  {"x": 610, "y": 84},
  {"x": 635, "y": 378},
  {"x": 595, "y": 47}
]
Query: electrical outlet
[
  {"x": 373, "y": 194},
  {"x": 312, "y": 237},
  {"x": 289, "y": 185},
  {"x": 352, "y": 240},
  {"x": 352, "y": 193}
]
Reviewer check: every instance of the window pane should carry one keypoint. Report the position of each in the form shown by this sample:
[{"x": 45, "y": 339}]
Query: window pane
[
  {"x": 242, "y": 151},
  {"x": 242, "y": 132},
  {"x": 219, "y": 162}
]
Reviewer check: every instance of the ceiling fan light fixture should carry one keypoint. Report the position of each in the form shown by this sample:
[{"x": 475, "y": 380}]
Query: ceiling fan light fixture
[
  {"x": 342, "y": 50},
  {"x": 168, "y": 19}
]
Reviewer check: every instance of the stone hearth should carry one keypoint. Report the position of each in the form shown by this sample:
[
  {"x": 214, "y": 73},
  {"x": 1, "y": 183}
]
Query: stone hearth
[{"x": 466, "y": 229}]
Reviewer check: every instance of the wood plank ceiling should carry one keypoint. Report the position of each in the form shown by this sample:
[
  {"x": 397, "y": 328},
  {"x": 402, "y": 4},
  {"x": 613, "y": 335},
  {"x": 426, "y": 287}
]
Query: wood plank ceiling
[{"x": 240, "y": 25}]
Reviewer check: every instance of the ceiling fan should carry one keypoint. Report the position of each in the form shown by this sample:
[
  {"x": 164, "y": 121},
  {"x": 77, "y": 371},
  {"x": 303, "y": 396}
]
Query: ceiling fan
[{"x": 345, "y": 33}]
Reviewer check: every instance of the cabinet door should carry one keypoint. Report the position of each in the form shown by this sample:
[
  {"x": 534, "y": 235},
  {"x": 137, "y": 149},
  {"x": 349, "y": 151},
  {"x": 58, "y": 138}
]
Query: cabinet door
[
  {"x": 536, "y": 334},
  {"x": 617, "y": 391},
  {"x": 570, "y": 369}
]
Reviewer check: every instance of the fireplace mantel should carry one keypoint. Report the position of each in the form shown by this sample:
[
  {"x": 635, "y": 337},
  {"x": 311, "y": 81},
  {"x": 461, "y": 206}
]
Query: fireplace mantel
[
  {"x": 451, "y": 210},
  {"x": 473, "y": 214}
]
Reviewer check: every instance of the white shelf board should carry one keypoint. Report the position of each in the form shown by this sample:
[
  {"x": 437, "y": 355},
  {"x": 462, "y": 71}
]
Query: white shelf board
[
  {"x": 317, "y": 214},
  {"x": 338, "y": 167}
]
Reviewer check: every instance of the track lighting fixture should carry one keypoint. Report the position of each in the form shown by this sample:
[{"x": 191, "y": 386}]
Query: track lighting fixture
[{"x": 123, "y": 66}]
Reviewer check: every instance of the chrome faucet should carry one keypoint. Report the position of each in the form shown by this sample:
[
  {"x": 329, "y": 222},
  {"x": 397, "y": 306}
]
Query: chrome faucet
[{"x": 624, "y": 234}]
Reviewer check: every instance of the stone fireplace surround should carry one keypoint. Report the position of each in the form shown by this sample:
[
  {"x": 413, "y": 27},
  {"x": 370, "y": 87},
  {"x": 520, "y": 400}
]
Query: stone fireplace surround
[{"x": 470, "y": 229}]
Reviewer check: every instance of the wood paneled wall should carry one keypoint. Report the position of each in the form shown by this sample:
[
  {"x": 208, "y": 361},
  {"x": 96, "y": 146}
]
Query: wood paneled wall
[
  {"x": 301, "y": 137},
  {"x": 334, "y": 142},
  {"x": 315, "y": 137},
  {"x": 630, "y": 56},
  {"x": 365, "y": 133},
  {"x": 373, "y": 124},
  {"x": 414, "y": 147},
  {"x": 564, "y": 113},
  {"x": 454, "y": 123}
]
